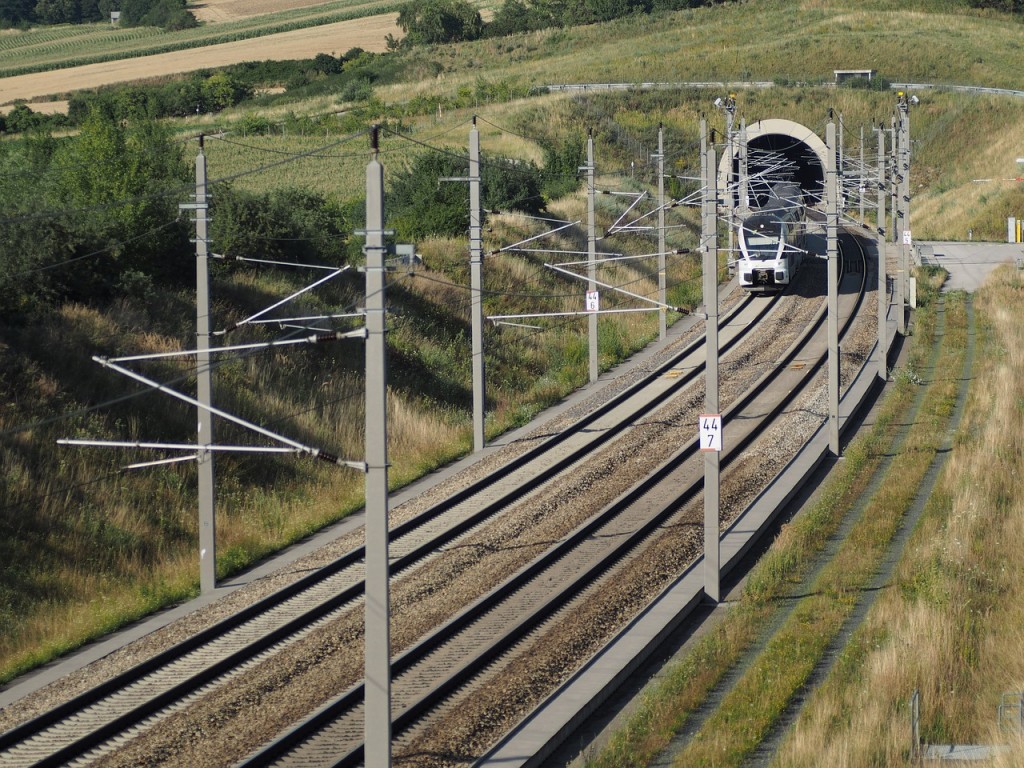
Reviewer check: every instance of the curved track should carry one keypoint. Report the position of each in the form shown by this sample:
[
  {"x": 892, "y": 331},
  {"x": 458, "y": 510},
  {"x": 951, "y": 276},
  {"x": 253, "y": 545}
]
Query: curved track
[
  {"x": 458, "y": 655},
  {"x": 445, "y": 659},
  {"x": 211, "y": 657}
]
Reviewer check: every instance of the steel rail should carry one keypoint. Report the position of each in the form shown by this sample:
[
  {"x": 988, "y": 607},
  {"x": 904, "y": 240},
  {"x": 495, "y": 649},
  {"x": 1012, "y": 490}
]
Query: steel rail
[
  {"x": 282, "y": 750},
  {"x": 96, "y": 736}
]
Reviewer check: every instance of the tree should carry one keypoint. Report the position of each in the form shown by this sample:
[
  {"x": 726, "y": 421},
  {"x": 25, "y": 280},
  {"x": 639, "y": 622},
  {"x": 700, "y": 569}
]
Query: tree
[
  {"x": 420, "y": 204},
  {"x": 168, "y": 14},
  {"x": 561, "y": 167},
  {"x": 439, "y": 21},
  {"x": 222, "y": 90},
  {"x": 283, "y": 224},
  {"x": 511, "y": 184},
  {"x": 606, "y": 10},
  {"x": 58, "y": 11},
  {"x": 13, "y": 12},
  {"x": 327, "y": 64},
  {"x": 21, "y": 118},
  {"x": 513, "y": 16},
  {"x": 123, "y": 182},
  {"x": 1010, "y": 6}
]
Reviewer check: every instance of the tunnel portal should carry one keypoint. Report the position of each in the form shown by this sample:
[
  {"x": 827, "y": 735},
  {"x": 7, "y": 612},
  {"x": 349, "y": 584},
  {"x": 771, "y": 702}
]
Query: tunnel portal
[{"x": 777, "y": 150}]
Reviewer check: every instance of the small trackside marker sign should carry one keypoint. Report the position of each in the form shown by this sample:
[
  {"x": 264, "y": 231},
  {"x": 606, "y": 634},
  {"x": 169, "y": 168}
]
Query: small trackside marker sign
[{"x": 711, "y": 432}]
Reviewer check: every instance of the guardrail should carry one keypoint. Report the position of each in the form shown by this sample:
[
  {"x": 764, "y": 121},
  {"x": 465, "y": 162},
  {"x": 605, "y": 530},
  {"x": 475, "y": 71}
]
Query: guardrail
[{"x": 726, "y": 85}]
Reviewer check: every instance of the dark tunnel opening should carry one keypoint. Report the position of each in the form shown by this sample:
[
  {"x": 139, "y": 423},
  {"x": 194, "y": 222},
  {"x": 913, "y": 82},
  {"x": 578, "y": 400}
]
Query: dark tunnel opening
[{"x": 775, "y": 157}]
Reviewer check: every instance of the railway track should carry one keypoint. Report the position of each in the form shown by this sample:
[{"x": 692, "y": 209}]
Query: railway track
[
  {"x": 468, "y": 652},
  {"x": 121, "y": 704},
  {"x": 97, "y": 721}
]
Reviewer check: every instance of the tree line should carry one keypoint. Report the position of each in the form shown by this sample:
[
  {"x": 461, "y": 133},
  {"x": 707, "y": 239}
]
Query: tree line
[
  {"x": 202, "y": 91},
  {"x": 452, "y": 21},
  {"x": 94, "y": 216},
  {"x": 167, "y": 14}
]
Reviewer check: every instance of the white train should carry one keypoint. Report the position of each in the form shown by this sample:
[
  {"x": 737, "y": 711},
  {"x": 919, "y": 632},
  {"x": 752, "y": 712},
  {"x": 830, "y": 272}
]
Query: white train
[{"x": 771, "y": 240}]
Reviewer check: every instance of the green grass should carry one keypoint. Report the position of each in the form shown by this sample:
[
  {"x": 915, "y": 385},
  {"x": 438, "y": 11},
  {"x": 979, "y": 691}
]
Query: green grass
[{"x": 949, "y": 626}]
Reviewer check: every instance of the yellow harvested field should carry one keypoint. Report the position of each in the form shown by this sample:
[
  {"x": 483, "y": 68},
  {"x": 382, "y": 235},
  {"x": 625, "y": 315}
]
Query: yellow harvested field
[
  {"x": 233, "y": 10},
  {"x": 367, "y": 33},
  {"x": 43, "y": 107}
]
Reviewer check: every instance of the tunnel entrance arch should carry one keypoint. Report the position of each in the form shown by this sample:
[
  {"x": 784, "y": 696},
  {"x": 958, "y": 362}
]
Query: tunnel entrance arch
[{"x": 777, "y": 150}]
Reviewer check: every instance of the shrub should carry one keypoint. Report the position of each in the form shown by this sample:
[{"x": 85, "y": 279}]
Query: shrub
[{"x": 421, "y": 205}]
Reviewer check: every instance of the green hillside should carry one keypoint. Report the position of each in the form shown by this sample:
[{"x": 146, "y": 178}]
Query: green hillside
[{"x": 87, "y": 547}]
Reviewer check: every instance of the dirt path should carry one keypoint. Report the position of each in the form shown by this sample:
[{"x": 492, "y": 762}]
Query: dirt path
[{"x": 367, "y": 33}]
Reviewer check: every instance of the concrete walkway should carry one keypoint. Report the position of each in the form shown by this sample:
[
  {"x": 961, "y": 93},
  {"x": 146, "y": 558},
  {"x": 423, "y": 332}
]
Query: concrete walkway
[{"x": 968, "y": 264}]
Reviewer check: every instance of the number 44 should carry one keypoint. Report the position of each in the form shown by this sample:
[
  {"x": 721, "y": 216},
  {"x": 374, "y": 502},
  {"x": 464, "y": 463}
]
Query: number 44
[{"x": 711, "y": 432}]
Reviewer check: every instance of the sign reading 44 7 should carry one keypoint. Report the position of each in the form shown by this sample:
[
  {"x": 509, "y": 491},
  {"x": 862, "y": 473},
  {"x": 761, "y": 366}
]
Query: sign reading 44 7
[{"x": 711, "y": 432}]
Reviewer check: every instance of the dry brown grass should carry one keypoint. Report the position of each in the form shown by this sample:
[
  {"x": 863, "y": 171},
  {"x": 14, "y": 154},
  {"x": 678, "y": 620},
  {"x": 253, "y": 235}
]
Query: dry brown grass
[{"x": 950, "y": 625}]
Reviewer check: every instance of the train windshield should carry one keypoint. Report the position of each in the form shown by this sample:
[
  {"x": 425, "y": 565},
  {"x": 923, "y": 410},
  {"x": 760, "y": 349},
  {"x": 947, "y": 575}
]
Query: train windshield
[
  {"x": 761, "y": 248},
  {"x": 762, "y": 235}
]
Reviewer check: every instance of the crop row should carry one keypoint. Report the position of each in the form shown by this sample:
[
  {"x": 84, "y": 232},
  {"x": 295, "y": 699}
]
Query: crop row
[{"x": 66, "y": 38}]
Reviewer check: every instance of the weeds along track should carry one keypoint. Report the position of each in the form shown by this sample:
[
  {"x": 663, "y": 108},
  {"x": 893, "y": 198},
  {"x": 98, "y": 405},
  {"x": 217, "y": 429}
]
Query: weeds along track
[
  {"x": 823, "y": 609},
  {"x": 476, "y": 577},
  {"x": 944, "y": 364}
]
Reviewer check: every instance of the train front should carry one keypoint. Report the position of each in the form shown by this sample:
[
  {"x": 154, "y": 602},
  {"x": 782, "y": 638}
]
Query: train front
[{"x": 764, "y": 264}]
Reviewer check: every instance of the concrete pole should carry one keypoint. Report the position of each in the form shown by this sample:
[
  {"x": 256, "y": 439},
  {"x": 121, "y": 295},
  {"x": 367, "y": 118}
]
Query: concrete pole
[
  {"x": 476, "y": 260},
  {"x": 712, "y": 539},
  {"x": 840, "y": 160},
  {"x": 893, "y": 174},
  {"x": 204, "y": 389},
  {"x": 744, "y": 167},
  {"x": 897, "y": 230},
  {"x": 863, "y": 176},
  {"x": 883, "y": 297},
  {"x": 662, "y": 312},
  {"x": 831, "y": 234},
  {"x": 377, "y": 726},
  {"x": 591, "y": 253},
  {"x": 904, "y": 195},
  {"x": 730, "y": 184},
  {"x": 703, "y": 170}
]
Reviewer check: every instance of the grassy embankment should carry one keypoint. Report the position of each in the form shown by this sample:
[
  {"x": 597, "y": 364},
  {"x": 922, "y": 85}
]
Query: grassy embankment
[
  {"x": 784, "y": 660},
  {"x": 90, "y": 548},
  {"x": 950, "y": 624}
]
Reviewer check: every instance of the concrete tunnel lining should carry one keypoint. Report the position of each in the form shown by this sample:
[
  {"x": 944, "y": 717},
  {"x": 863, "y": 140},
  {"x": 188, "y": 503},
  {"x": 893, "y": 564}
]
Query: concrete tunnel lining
[{"x": 797, "y": 143}]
